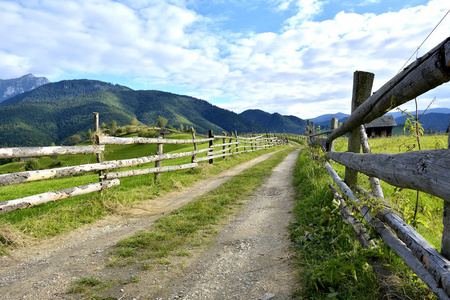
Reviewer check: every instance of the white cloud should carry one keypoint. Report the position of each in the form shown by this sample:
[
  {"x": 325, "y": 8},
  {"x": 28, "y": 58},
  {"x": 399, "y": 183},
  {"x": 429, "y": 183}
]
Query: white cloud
[{"x": 306, "y": 68}]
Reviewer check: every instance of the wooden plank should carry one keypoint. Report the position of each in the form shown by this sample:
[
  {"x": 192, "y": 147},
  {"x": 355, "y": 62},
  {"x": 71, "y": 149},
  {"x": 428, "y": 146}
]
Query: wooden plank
[
  {"x": 425, "y": 170},
  {"x": 225, "y": 144},
  {"x": 112, "y": 140},
  {"x": 421, "y": 76},
  {"x": 23, "y": 152},
  {"x": 434, "y": 275},
  {"x": 28, "y": 176},
  {"x": 113, "y": 175},
  {"x": 12, "y": 205}
]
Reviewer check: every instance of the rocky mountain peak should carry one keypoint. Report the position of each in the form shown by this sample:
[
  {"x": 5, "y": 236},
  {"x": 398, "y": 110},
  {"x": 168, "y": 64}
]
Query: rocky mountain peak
[{"x": 12, "y": 87}]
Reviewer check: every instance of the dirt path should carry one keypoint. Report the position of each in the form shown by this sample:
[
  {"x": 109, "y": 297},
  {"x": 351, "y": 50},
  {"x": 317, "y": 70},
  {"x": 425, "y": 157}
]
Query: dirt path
[
  {"x": 45, "y": 271},
  {"x": 251, "y": 257}
]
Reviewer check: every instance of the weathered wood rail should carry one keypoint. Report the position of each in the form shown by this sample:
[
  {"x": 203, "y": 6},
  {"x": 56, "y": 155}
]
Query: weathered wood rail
[
  {"x": 425, "y": 171},
  {"x": 104, "y": 168}
]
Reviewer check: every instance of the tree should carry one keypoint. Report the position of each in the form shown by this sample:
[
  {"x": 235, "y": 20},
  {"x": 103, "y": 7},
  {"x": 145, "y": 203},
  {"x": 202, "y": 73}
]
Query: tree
[
  {"x": 55, "y": 157},
  {"x": 162, "y": 122},
  {"x": 113, "y": 128},
  {"x": 89, "y": 135},
  {"x": 32, "y": 164},
  {"x": 134, "y": 122},
  {"x": 75, "y": 139},
  {"x": 181, "y": 129}
]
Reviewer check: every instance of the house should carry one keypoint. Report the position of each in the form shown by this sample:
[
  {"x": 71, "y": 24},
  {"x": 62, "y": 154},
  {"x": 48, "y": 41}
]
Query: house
[
  {"x": 381, "y": 127},
  {"x": 164, "y": 132}
]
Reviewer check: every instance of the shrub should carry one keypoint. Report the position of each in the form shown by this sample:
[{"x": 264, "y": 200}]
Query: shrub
[{"x": 32, "y": 164}]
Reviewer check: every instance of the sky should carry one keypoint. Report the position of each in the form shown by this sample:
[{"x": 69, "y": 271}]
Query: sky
[{"x": 294, "y": 57}]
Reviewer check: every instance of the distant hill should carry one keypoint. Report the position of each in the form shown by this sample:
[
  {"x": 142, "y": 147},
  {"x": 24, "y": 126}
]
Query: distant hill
[
  {"x": 276, "y": 122},
  {"x": 328, "y": 117},
  {"x": 56, "y": 111},
  {"x": 430, "y": 121},
  {"x": 12, "y": 87}
]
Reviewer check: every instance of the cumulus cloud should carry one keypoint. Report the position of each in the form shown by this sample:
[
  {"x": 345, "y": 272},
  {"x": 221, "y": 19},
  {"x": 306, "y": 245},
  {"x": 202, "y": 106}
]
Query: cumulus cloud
[{"x": 304, "y": 68}]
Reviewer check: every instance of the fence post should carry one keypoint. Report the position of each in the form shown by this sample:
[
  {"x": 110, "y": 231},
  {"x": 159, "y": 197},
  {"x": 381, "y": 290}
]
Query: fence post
[
  {"x": 158, "y": 163},
  {"x": 362, "y": 88},
  {"x": 96, "y": 133},
  {"x": 195, "y": 144},
  {"x": 445, "y": 244},
  {"x": 211, "y": 143},
  {"x": 230, "y": 141},
  {"x": 224, "y": 141},
  {"x": 334, "y": 125}
]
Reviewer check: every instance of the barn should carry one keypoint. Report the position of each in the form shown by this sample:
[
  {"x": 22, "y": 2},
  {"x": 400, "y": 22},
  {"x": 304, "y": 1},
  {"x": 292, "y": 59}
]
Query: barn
[{"x": 381, "y": 127}]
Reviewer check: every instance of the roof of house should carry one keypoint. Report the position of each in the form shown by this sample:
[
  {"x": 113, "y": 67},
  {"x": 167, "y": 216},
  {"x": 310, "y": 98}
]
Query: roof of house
[{"x": 384, "y": 121}]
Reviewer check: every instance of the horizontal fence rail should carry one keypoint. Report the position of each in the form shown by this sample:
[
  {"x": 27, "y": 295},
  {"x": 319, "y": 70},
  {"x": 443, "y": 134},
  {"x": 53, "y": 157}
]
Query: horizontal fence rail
[{"x": 104, "y": 168}]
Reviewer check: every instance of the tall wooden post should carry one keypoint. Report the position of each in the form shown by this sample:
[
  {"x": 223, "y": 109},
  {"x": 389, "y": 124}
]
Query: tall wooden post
[
  {"x": 334, "y": 125},
  {"x": 362, "y": 88},
  {"x": 237, "y": 141},
  {"x": 96, "y": 133},
  {"x": 158, "y": 163},
  {"x": 211, "y": 143},
  {"x": 195, "y": 144},
  {"x": 224, "y": 141},
  {"x": 445, "y": 244}
]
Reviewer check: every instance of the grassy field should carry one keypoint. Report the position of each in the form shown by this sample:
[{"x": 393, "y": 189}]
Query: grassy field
[
  {"x": 46, "y": 220},
  {"x": 332, "y": 262}
]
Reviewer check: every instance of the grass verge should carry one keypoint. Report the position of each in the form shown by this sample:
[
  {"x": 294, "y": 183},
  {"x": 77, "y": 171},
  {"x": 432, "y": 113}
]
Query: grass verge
[
  {"x": 190, "y": 226},
  {"x": 332, "y": 263}
]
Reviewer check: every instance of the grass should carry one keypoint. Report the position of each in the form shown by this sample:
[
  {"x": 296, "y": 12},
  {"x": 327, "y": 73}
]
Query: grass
[
  {"x": 332, "y": 262},
  {"x": 192, "y": 225},
  {"x": 54, "y": 218}
]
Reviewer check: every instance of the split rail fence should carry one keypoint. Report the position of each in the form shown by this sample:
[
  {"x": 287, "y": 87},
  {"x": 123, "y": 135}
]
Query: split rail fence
[
  {"x": 217, "y": 147},
  {"x": 426, "y": 170}
]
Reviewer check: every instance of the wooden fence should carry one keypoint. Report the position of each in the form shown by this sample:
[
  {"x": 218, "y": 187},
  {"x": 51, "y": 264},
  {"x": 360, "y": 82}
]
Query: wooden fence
[
  {"x": 107, "y": 178},
  {"x": 426, "y": 171}
]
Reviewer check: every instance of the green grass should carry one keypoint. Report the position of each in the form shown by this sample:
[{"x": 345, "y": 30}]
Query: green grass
[
  {"x": 331, "y": 261},
  {"x": 54, "y": 218}
]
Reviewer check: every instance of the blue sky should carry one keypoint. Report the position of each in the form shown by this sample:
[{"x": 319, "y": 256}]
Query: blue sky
[{"x": 294, "y": 57}]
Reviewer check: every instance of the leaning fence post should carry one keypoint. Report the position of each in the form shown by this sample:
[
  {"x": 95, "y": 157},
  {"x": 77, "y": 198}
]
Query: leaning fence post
[
  {"x": 96, "y": 133},
  {"x": 158, "y": 163},
  {"x": 195, "y": 144},
  {"x": 362, "y": 88},
  {"x": 445, "y": 244},
  {"x": 211, "y": 143}
]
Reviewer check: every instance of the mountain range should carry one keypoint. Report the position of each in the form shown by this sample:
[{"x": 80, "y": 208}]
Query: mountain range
[
  {"x": 11, "y": 87},
  {"x": 55, "y": 111}
]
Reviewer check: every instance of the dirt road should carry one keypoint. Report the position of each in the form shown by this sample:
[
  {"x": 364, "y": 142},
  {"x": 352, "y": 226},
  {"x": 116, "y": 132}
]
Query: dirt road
[{"x": 249, "y": 261}]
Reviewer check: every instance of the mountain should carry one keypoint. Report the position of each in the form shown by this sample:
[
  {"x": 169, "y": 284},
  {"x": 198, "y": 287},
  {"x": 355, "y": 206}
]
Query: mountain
[
  {"x": 12, "y": 87},
  {"x": 439, "y": 110},
  {"x": 430, "y": 121},
  {"x": 328, "y": 117},
  {"x": 56, "y": 111},
  {"x": 276, "y": 122}
]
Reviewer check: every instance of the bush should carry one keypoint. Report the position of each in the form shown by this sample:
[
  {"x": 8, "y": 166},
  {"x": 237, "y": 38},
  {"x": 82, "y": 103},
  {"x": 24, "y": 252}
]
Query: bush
[
  {"x": 148, "y": 133},
  {"x": 32, "y": 164}
]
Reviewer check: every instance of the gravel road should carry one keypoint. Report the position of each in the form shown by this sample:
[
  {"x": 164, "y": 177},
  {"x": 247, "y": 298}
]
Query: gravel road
[{"x": 250, "y": 259}]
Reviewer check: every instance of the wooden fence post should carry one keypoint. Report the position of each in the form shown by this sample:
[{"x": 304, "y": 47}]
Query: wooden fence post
[
  {"x": 334, "y": 124},
  {"x": 96, "y": 133},
  {"x": 224, "y": 141},
  {"x": 158, "y": 163},
  {"x": 211, "y": 143},
  {"x": 362, "y": 88},
  {"x": 195, "y": 145},
  {"x": 445, "y": 244},
  {"x": 230, "y": 141}
]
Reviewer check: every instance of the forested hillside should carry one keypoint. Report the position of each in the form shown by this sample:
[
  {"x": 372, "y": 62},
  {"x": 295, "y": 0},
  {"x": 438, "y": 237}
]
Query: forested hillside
[
  {"x": 276, "y": 122},
  {"x": 56, "y": 111}
]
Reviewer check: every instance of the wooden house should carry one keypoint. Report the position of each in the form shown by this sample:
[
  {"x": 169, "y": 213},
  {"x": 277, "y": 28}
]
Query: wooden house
[
  {"x": 164, "y": 132},
  {"x": 381, "y": 127}
]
